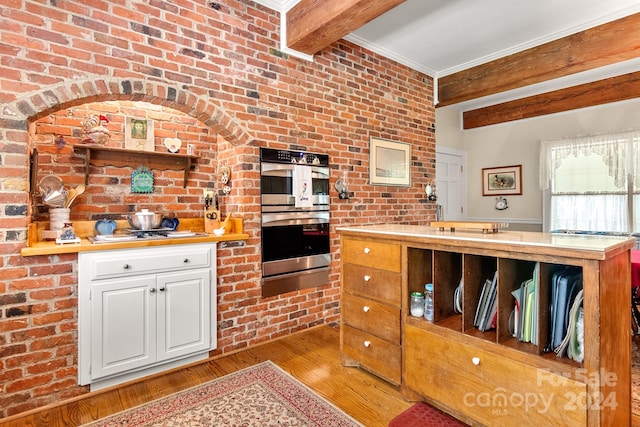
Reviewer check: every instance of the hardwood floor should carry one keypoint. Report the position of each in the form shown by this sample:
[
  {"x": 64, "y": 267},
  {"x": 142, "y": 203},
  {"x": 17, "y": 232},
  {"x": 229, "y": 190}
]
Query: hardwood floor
[{"x": 312, "y": 356}]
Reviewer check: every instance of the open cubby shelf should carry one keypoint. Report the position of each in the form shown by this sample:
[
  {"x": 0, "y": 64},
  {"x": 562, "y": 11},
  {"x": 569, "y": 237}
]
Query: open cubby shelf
[{"x": 444, "y": 270}]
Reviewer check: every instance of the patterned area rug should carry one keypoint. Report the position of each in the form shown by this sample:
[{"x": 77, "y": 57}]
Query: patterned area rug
[
  {"x": 422, "y": 414},
  {"x": 262, "y": 395}
]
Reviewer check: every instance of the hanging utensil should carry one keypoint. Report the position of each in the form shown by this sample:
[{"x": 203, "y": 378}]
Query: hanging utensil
[{"x": 49, "y": 184}]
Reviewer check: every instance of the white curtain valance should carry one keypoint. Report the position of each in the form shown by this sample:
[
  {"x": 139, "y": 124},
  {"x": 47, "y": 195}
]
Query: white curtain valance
[{"x": 612, "y": 147}]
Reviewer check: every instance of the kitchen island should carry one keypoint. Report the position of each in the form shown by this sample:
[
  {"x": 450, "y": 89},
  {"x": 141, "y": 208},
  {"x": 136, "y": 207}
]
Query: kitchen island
[{"x": 488, "y": 376}]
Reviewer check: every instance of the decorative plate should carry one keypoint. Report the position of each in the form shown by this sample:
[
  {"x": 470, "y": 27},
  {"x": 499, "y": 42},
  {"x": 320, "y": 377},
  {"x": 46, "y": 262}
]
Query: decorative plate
[
  {"x": 171, "y": 223},
  {"x": 105, "y": 227},
  {"x": 173, "y": 144}
]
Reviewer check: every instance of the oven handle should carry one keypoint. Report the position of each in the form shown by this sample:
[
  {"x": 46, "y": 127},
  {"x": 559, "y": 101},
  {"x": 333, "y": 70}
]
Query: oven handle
[
  {"x": 286, "y": 170},
  {"x": 277, "y": 220}
]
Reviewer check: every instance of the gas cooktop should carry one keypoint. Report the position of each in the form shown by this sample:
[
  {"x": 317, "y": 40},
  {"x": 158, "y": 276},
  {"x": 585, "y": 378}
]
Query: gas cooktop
[{"x": 154, "y": 234}]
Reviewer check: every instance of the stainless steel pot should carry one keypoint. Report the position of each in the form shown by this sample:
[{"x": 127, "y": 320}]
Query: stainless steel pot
[{"x": 144, "y": 220}]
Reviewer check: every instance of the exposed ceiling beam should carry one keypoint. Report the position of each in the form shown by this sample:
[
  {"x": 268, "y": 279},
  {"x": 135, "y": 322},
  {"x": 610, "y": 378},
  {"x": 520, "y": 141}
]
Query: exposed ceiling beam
[
  {"x": 313, "y": 25},
  {"x": 604, "y": 91},
  {"x": 596, "y": 47}
]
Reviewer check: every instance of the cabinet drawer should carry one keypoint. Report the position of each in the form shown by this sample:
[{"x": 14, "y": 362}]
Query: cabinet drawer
[
  {"x": 372, "y": 353},
  {"x": 129, "y": 262},
  {"x": 370, "y": 282},
  {"x": 488, "y": 387},
  {"x": 385, "y": 256},
  {"x": 378, "y": 319}
]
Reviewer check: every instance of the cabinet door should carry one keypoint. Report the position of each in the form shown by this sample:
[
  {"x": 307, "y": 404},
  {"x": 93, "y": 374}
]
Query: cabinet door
[
  {"x": 183, "y": 313},
  {"x": 123, "y": 325}
]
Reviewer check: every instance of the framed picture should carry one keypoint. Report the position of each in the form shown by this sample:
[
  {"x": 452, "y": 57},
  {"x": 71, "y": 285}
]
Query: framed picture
[
  {"x": 502, "y": 181},
  {"x": 138, "y": 134},
  {"x": 389, "y": 162}
]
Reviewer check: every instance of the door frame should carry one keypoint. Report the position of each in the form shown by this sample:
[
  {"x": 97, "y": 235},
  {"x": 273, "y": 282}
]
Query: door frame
[{"x": 463, "y": 184}]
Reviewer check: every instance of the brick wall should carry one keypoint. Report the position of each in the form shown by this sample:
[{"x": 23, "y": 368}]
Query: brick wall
[
  {"x": 108, "y": 191},
  {"x": 221, "y": 72}
]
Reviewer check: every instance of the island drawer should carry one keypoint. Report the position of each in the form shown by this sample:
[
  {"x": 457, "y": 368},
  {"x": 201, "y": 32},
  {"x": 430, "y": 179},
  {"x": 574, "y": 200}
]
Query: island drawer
[
  {"x": 384, "y": 256},
  {"x": 128, "y": 262},
  {"x": 372, "y": 317},
  {"x": 490, "y": 388},
  {"x": 378, "y": 284},
  {"x": 372, "y": 353}
]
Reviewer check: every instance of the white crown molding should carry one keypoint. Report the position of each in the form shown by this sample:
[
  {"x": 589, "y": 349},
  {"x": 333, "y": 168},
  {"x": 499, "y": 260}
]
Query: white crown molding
[
  {"x": 271, "y": 4},
  {"x": 388, "y": 54},
  {"x": 283, "y": 7},
  {"x": 278, "y": 5}
]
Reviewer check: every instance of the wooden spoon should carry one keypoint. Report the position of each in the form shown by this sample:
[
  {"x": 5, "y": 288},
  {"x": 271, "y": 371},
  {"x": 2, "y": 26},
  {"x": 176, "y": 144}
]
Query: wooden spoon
[
  {"x": 77, "y": 191},
  {"x": 70, "y": 196}
]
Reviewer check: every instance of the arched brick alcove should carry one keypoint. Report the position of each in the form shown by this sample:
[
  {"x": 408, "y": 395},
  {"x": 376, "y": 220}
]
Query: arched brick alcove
[{"x": 17, "y": 114}]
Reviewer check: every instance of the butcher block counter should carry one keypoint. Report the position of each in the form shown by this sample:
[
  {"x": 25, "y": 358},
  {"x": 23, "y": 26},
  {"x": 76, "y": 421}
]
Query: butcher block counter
[
  {"x": 481, "y": 373},
  {"x": 85, "y": 230}
]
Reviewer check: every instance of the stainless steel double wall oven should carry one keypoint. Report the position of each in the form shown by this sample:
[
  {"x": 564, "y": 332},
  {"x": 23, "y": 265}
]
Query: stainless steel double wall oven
[{"x": 295, "y": 233}]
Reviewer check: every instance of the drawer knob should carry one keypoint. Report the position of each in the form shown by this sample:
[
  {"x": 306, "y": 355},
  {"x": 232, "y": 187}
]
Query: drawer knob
[
  {"x": 367, "y": 250},
  {"x": 186, "y": 260},
  {"x": 126, "y": 266},
  {"x": 367, "y": 278},
  {"x": 162, "y": 289},
  {"x": 152, "y": 290},
  {"x": 367, "y": 343},
  {"x": 475, "y": 360},
  {"x": 365, "y": 308}
]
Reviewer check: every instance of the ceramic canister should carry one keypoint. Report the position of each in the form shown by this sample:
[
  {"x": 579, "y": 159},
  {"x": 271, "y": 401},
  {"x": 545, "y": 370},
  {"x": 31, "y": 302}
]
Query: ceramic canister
[{"x": 58, "y": 217}]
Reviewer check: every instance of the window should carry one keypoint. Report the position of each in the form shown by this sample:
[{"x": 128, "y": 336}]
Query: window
[{"x": 591, "y": 184}]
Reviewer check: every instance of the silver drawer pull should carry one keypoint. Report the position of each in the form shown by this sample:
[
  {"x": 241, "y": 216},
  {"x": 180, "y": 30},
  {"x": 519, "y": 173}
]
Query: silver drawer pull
[
  {"x": 126, "y": 267},
  {"x": 367, "y": 278},
  {"x": 475, "y": 360},
  {"x": 152, "y": 290},
  {"x": 365, "y": 308},
  {"x": 367, "y": 343},
  {"x": 367, "y": 250}
]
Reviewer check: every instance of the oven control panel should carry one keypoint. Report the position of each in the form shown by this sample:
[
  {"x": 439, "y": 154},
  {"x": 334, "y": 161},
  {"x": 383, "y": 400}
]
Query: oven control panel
[{"x": 271, "y": 155}]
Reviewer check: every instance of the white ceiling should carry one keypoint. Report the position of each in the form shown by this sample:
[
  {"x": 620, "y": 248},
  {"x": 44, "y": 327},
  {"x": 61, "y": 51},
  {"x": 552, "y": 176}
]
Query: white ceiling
[{"x": 440, "y": 37}]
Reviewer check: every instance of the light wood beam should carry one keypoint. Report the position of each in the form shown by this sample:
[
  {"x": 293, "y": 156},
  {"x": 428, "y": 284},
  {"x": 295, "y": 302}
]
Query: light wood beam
[
  {"x": 604, "y": 91},
  {"x": 596, "y": 47},
  {"x": 313, "y": 25}
]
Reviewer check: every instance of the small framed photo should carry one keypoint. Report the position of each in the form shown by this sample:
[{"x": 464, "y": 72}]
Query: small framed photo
[
  {"x": 389, "y": 162},
  {"x": 502, "y": 181},
  {"x": 138, "y": 134}
]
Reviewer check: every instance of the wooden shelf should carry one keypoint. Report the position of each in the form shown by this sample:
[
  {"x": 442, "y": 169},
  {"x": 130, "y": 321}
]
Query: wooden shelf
[{"x": 107, "y": 156}]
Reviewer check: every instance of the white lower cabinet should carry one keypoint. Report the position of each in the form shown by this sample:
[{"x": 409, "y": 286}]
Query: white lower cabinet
[{"x": 137, "y": 316}]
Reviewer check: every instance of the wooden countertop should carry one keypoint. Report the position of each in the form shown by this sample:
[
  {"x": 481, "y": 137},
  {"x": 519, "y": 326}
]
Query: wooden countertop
[
  {"x": 85, "y": 229},
  {"x": 525, "y": 242}
]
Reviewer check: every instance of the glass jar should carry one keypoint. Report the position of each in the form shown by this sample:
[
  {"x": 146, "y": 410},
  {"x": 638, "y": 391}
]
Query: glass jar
[{"x": 417, "y": 304}]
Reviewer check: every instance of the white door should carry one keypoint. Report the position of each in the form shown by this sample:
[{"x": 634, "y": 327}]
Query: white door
[
  {"x": 450, "y": 184},
  {"x": 123, "y": 325},
  {"x": 183, "y": 313}
]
